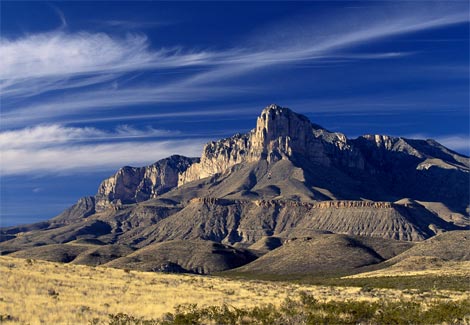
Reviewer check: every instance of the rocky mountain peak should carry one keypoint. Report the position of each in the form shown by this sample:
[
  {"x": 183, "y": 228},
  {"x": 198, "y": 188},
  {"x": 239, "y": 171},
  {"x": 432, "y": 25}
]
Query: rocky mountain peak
[
  {"x": 277, "y": 121},
  {"x": 279, "y": 134},
  {"x": 269, "y": 113},
  {"x": 276, "y": 127},
  {"x": 285, "y": 177}
]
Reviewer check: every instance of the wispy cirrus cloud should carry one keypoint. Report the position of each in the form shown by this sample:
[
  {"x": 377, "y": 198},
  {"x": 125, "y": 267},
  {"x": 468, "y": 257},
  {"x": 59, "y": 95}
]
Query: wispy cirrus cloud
[
  {"x": 40, "y": 63},
  {"x": 60, "y": 15},
  {"x": 87, "y": 68},
  {"x": 457, "y": 142},
  {"x": 42, "y": 136},
  {"x": 58, "y": 57},
  {"x": 56, "y": 148},
  {"x": 110, "y": 99},
  {"x": 95, "y": 157}
]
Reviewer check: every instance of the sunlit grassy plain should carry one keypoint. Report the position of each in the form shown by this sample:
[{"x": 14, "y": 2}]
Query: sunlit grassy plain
[
  {"x": 39, "y": 292},
  {"x": 419, "y": 266}
]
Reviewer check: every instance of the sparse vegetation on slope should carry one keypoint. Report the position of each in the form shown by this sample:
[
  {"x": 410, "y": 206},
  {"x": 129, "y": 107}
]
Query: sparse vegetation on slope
[
  {"x": 184, "y": 256},
  {"x": 308, "y": 310},
  {"x": 325, "y": 254}
]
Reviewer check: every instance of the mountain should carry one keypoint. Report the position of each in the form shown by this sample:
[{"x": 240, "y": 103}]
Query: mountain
[
  {"x": 322, "y": 165},
  {"x": 285, "y": 178}
]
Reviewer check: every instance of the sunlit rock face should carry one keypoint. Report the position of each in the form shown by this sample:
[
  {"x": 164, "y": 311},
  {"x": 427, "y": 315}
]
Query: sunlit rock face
[
  {"x": 279, "y": 134},
  {"x": 131, "y": 184},
  {"x": 327, "y": 164}
]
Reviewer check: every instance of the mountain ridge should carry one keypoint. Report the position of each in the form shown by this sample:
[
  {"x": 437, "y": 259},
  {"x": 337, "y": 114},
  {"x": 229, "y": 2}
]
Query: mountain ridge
[
  {"x": 282, "y": 134},
  {"x": 285, "y": 177}
]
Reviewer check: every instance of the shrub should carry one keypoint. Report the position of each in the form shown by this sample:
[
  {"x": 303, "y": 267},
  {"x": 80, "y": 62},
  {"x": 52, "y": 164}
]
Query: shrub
[
  {"x": 124, "y": 319},
  {"x": 53, "y": 293},
  {"x": 6, "y": 317},
  {"x": 308, "y": 310}
]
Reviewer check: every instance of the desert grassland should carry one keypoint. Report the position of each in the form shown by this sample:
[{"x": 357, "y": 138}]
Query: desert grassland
[
  {"x": 40, "y": 292},
  {"x": 419, "y": 267}
]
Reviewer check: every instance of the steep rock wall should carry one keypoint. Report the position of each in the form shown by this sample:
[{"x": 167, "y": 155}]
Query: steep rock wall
[
  {"x": 279, "y": 134},
  {"x": 131, "y": 184}
]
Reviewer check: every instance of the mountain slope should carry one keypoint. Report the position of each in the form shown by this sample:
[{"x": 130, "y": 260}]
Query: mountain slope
[
  {"x": 193, "y": 256},
  {"x": 287, "y": 176},
  {"x": 445, "y": 253},
  {"x": 450, "y": 246},
  {"x": 324, "y": 254}
]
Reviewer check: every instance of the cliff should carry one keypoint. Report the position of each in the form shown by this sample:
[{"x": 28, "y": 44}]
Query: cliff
[
  {"x": 279, "y": 134},
  {"x": 131, "y": 184},
  {"x": 321, "y": 165}
]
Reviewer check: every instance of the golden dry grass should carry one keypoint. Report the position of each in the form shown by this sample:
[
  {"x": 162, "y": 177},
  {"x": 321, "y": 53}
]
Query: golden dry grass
[
  {"x": 39, "y": 292},
  {"x": 421, "y": 266}
]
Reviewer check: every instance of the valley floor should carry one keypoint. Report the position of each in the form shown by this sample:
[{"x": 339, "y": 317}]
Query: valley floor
[{"x": 39, "y": 292}]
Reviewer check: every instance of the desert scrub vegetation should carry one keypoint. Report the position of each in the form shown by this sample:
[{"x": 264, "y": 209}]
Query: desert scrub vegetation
[
  {"x": 40, "y": 292},
  {"x": 308, "y": 310}
]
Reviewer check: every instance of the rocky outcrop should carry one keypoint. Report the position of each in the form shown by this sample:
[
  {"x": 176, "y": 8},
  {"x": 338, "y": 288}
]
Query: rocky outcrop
[
  {"x": 131, "y": 184},
  {"x": 419, "y": 169},
  {"x": 339, "y": 204},
  {"x": 84, "y": 208},
  {"x": 217, "y": 157},
  {"x": 375, "y": 167},
  {"x": 279, "y": 134}
]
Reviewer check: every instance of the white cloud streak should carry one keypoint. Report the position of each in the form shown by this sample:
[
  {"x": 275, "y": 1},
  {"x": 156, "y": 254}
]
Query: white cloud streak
[
  {"x": 82, "y": 158},
  {"x": 58, "y": 149},
  {"x": 43, "y": 62},
  {"x": 87, "y": 66},
  {"x": 61, "y": 16},
  {"x": 213, "y": 113},
  {"x": 63, "y": 55},
  {"x": 457, "y": 142},
  {"x": 43, "y": 136},
  {"x": 111, "y": 99}
]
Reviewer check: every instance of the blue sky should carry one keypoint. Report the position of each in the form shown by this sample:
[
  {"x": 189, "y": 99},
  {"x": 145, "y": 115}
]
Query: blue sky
[{"x": 87, "y": 87}]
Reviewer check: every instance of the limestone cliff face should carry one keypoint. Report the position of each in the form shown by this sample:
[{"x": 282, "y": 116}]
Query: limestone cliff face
[
  {"x": 217, "y": 157},
  {"x": 398, "y": 167},
  {"x": 131, "y": 184},
  {"x": 279, "y": 134}
]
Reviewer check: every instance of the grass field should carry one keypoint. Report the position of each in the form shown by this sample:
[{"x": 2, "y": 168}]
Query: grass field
[
  {"x": 39, "y": 292},
  {"x": 422, "y": 266}
]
